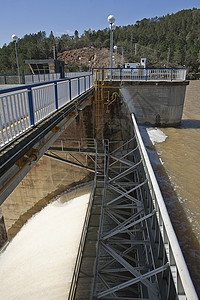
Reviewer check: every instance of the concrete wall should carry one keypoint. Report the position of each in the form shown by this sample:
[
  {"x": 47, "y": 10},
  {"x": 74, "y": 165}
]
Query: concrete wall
[
  {"x": 155, "y": 103},
  {"x": 3, "y": 233},
  {"x": 46, "y": 180}
]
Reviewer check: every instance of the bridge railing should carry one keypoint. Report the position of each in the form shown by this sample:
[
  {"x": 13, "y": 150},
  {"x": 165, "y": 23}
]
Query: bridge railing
[
  {"x": 182, "y": 281},
  {"x": 76, "y": 74},
  {"x": 25, "y": 106},
  {"x": 141, "y": 74},
  {"x": 79, "y": 256},
  {"x": 28, "y": 78}
]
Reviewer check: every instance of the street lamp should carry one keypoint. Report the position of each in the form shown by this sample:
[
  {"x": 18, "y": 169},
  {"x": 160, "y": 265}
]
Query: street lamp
[
  {"x": 15, "y": 38},
  {"x": 111, "y": 20}
]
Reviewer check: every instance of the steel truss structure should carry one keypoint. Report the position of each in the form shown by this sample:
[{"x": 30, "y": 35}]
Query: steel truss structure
[
  {"x": 134, "y": 258},
  {"x": 126, "y": 268}
]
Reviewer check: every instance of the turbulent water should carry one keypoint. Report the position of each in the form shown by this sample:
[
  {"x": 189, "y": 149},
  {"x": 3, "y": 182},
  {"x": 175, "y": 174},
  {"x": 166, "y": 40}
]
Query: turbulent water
[
  {"x": 179, "y": 153},
  {"x": 38, "y": 263}
]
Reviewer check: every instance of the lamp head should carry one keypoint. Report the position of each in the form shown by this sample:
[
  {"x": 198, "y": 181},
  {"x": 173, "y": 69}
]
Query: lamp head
[
  {"x": 111, "y": 19},
  {"x": 14, "y": 37}
]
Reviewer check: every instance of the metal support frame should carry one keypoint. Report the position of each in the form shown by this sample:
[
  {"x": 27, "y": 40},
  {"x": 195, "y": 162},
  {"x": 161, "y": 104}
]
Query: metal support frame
[
  {"x": 78, "y": 165},
  {"x": 132, "y": 261}
]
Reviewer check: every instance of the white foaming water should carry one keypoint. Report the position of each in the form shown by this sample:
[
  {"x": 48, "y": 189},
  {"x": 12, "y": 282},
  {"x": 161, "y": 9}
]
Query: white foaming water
[
  {"x": 38, "y": 263},
  {"x": 156, "y": 135}
]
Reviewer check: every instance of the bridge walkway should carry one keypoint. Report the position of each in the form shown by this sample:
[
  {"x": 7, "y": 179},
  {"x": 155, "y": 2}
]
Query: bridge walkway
[
  {"x": 32, "y": 117},
  {"x": 86, "y": 275}
]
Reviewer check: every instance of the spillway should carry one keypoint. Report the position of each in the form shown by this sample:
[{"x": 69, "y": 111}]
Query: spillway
[{"x": 38, "y": 263}]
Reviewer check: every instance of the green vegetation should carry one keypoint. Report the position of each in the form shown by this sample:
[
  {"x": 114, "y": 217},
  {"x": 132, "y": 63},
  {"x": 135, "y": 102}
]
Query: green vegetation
[{"x": 175, "y": 36}]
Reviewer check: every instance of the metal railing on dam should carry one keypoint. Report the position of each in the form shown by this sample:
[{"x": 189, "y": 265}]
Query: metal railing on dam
[
  {"x": 142, "y": 74},
  {"x": 25, "y": 106}
]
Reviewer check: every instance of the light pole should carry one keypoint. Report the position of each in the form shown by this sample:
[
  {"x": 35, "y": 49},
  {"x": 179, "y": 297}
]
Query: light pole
[
  {"x": 89, "y": 64},
  {"x": 111, "y": 20},
  {"x": 115, "y": 48},
  {"x": 80, "y": 58},
  {"x": 15, "y": 38},
  {"x": 168, "y": 54}
]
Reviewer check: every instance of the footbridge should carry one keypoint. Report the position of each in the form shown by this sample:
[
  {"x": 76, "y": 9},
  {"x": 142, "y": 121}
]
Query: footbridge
[{"x": 128, "y": 248}]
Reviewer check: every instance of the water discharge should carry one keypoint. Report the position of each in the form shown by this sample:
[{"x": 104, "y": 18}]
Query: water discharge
[{"x": 39, "y": 261}]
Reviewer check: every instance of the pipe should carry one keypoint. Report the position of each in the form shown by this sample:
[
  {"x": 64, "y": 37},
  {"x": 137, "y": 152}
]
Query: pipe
[{"x": 69, "y": 162}]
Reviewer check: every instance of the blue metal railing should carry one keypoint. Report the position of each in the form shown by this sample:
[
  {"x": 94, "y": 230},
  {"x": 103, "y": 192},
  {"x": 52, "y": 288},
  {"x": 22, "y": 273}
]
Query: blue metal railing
[{"x": 25, "y": 106}]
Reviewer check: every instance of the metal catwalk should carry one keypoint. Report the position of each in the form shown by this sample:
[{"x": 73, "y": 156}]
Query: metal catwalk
[
  {"x": 126, "y": 267},
  {"x": 138, "y": 255}
]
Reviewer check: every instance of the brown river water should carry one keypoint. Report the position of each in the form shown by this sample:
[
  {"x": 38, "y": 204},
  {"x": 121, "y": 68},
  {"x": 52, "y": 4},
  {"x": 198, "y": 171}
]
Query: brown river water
[{"x": 180, "y": 155}]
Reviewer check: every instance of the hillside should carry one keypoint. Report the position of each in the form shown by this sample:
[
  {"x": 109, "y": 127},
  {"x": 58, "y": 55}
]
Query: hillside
[
  {"x": 174, "y": 38},
  {"x": 81, "y": 57}
]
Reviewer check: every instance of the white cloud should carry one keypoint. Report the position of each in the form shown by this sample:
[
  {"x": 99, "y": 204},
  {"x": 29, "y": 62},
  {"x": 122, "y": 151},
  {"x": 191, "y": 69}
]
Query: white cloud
[{"x": 67, "y": 31}]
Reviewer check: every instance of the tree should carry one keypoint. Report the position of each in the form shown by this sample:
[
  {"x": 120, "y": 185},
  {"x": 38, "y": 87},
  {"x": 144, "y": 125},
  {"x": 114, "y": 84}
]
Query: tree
[{"x": 76, "y": 34}]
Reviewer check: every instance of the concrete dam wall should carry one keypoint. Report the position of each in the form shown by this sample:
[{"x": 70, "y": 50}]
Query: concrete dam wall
[{"x": 155, "y": 103}]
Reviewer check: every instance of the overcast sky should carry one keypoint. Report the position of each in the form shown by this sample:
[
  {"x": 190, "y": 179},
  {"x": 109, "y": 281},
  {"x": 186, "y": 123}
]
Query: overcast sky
[{"x": 22, "y": 17}]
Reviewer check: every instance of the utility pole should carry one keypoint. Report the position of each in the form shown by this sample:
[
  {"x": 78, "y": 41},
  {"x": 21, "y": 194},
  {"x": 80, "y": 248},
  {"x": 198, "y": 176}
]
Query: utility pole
[
  {"x": 168, "y": 55},
  {"x": 15, "y": 38},
  {"x": 54, "y": 52},
  {"x": 135, "y": 49},
  {"x": 131, "y": 44}
]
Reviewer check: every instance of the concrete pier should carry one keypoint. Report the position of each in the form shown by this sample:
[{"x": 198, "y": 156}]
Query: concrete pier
[{"x": 156, "y": 103}]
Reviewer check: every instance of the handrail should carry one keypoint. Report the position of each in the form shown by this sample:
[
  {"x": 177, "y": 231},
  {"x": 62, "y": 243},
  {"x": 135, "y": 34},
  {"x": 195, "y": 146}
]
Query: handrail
[
  {"x": 75, "y": 276},
  {"x": 23, "y": 107},
  {"x": 176, "y": 260},
  {"x": 141, "y": 74},
  {"x": 28, "y": 78}
]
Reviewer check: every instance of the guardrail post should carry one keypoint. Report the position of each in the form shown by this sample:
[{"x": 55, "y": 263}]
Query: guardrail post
[
  {"x": 84, "y": 83},
  {"x": 56, "y": 95},
  {"x": 78, "y": 86},
  {"x": 70, "y": 90},
  {"x": 89, "y": 79},
  {"x": 120, "y": 74},
  {"x": 23, "y": 78},
  {"x": 171, "y": 74},
  {"x": 30, "y": 106}
]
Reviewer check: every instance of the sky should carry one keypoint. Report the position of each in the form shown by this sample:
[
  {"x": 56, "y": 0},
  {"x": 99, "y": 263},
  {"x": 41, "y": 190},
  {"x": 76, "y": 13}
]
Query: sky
[{"x": 22, "y": 17}]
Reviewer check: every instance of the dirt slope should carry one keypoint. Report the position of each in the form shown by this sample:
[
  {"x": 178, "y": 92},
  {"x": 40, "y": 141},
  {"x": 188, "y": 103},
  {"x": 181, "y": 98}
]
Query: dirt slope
[{"x": 97, "y": 57}]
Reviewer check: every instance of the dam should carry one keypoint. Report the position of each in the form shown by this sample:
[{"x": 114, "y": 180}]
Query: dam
[{"x": 132, "y": 215}]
